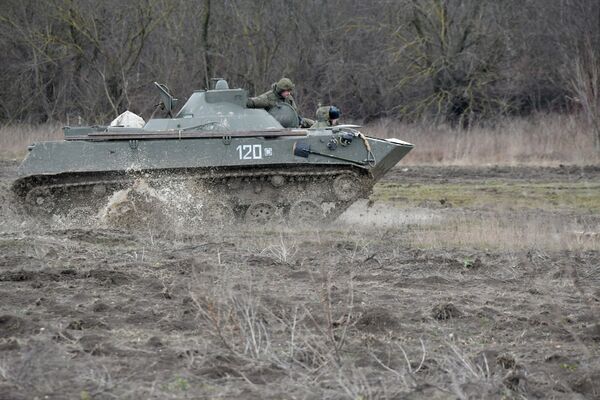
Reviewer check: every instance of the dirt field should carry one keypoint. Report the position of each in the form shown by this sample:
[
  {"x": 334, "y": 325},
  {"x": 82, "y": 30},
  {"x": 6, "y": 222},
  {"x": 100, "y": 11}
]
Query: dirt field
[{"x": 449, "y": 283}]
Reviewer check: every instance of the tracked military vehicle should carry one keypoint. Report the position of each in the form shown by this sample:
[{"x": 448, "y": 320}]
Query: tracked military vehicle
[{"x": 220, "y": 160}]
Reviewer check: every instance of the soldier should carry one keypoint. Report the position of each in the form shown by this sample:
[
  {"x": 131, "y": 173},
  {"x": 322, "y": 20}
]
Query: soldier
[
  {"x": 281, "y": 92},
  {"x": 327, "y": 116}
]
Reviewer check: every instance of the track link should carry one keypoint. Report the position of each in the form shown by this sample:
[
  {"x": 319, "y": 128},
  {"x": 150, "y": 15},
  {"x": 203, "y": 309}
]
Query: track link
[{"x": 252, "y": 195}]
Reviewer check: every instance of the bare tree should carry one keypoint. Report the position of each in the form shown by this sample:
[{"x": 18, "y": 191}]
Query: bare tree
[
  {"x": 444, "y": 60},
  {"x": 451, "y": 54}
]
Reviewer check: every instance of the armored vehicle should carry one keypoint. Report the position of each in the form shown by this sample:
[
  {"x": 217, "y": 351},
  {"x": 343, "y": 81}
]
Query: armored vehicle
[{"x": 215, "y": 160}]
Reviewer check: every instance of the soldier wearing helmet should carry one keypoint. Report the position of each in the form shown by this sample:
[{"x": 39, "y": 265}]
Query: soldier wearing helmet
[
  {"x": 327, "y": 116},
  {"x": 281, "y": 92}
]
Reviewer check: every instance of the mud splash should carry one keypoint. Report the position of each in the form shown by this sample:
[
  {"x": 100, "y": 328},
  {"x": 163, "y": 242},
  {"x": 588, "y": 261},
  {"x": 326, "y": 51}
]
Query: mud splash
[
  {"x": 175, "y": 206},
  {"x": 171, "y": 205}
]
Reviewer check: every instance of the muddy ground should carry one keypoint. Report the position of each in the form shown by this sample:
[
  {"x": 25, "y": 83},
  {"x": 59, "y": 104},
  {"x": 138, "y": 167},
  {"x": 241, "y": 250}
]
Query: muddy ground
[{"x": 388, "y": 302}]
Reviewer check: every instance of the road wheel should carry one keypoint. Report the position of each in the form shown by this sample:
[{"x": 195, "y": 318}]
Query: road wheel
[
  {"x": 218, "y": 213},
  {"x": 306, "y": 212},
  {"x": 346, "y": 187},
  {"x": 261, "y": 213}
]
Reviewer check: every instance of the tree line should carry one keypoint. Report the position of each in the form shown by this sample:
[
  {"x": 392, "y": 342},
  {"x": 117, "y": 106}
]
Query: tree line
[{"x": 452, "y": 61}]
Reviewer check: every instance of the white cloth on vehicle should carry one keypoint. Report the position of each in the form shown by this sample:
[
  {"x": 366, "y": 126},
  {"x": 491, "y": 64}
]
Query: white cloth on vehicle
[{"x": 129, "y": 120}]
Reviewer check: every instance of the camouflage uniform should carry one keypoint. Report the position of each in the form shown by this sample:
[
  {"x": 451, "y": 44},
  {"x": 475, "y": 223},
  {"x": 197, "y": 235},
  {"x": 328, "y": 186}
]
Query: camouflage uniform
[
  {"x": 323, "y": 118},
  {"x": 270, "y": 99}
]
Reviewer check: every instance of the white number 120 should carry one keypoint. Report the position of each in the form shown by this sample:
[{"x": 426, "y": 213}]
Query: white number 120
[{"x": 250, "y": 151}]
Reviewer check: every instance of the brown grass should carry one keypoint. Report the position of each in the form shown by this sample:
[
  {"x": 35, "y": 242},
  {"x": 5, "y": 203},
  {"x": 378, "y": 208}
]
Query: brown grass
[
  {"x": 509, "y": 231},
  {"x": 14, "y": 139},
  {"x": 544, "y": 139}
]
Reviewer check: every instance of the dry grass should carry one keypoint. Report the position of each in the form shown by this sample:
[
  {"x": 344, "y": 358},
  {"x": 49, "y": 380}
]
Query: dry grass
[
  {"x": 223, "y": 316},
  {"x": 14, "y": 139},
  {"x": 510, "y": 231},
  {"x": 538, "y": 140}
]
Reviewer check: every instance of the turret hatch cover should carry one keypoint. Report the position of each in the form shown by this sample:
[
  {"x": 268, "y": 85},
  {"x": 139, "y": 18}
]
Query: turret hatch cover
[{"x": 285, "y": 115}]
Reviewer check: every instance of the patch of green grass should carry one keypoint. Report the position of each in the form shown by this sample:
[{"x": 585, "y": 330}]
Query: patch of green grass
[
  {"x": 569, "y": 367},
  {"x": 179, "y": 384},
  {"x": 571, "y": 196},
  {"x": 14, "y": 245},
  {"x": 468, "y": 263}
]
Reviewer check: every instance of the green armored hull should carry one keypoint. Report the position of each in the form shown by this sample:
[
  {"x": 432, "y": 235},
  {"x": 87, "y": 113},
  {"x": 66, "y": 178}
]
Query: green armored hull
[{"x": 216, "y": 160}]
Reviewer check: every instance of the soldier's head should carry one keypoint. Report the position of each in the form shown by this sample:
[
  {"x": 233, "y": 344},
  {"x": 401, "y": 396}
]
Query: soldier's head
[
  {"x": 284, "y": 87},
  {"x": 328, "y": 114},
  {"x": 334, "y": 114}
]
